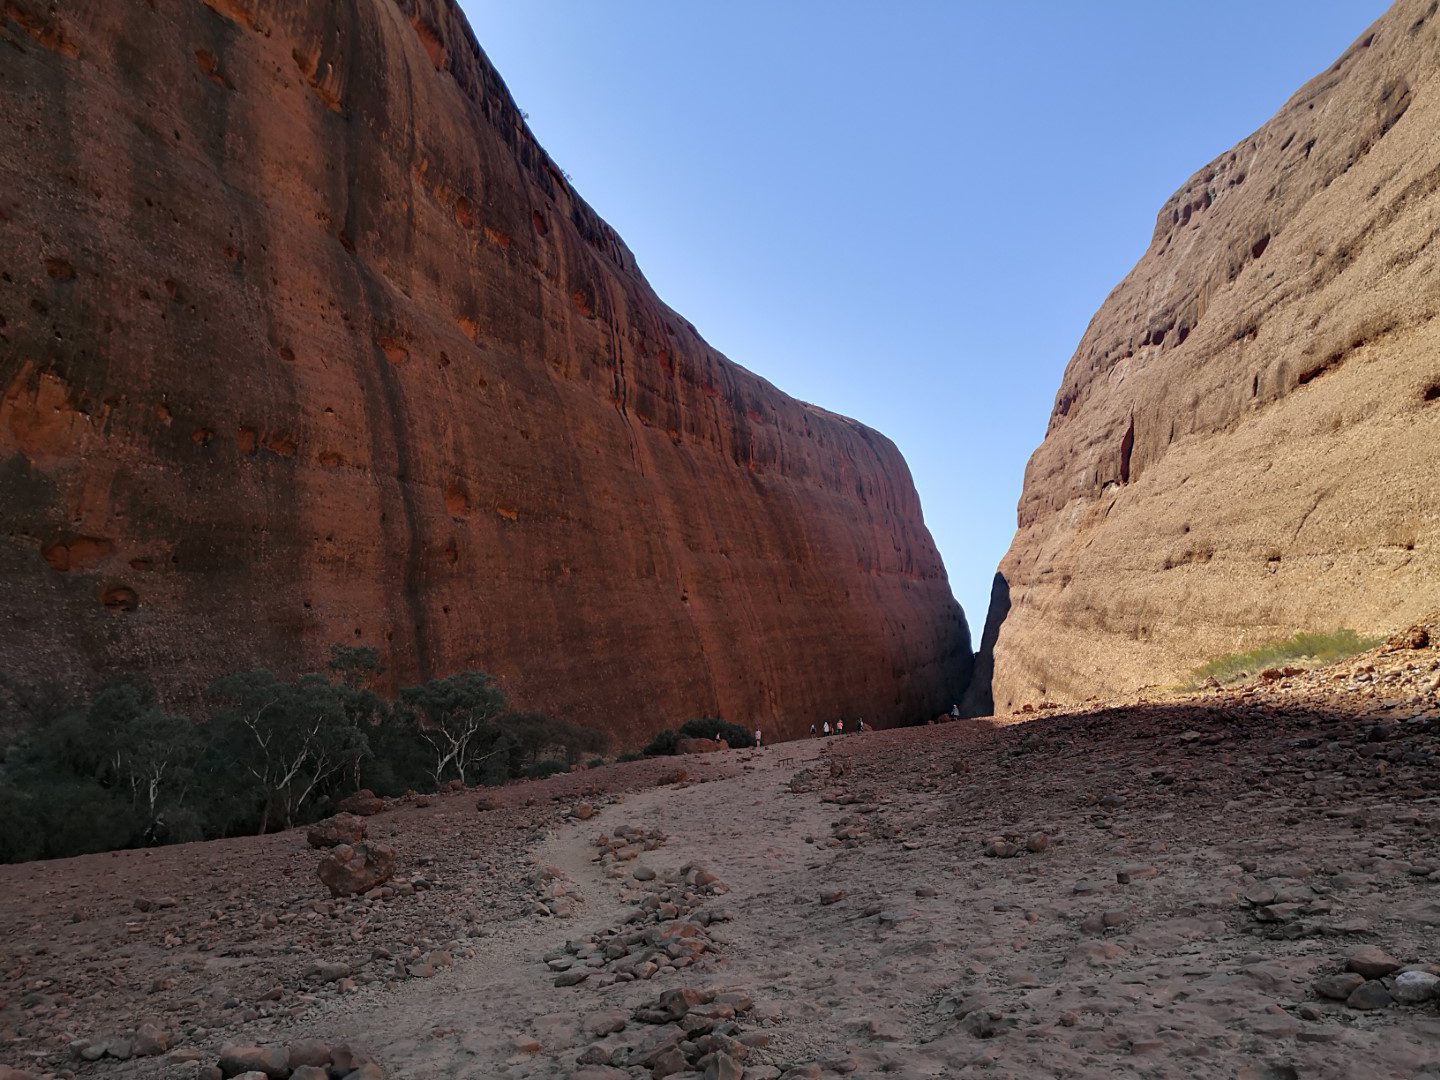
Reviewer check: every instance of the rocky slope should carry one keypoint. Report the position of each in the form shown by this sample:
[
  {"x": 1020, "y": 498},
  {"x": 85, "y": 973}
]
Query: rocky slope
[
  {"x": 305, "y": 340},
  {"x": 1238, "y": 883},
  {"x": 1246, "y": 441}
]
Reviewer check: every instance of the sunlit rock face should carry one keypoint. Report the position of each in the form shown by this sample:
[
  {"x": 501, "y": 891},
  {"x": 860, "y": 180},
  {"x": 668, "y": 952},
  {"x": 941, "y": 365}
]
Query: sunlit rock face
[
  {"x": 1247, "y": 441},
  {"x": 305, "y": 340}
]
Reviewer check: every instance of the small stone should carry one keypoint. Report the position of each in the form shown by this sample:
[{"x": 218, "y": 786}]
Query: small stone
[
  {"x": 1136, "y": 873},
  {"x": 310, "y": 1072},
  {"x": 309, "y": 1052},
  {"x": 1371, "y": 962},
  {"x": 572, "y": 978},
  {"x": 1338, "y": 987},
  {"x": 1414, "y": 987},
  {"x": 347, "y": 1059},
  {"x": 149, "y": 1041},
  {"x": 723, "y": 1067},
  {"x": 668, "y": 1063},
  {"x": 831, "y": 896},
  {"x": 272, "y": 1061},
  {"x": 1370, "y": 995}
]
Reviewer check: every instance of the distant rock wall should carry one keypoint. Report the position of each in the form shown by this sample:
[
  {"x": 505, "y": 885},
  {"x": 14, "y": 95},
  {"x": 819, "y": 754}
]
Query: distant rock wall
[
  {"x": 1247, "y": 441},
  {"x": 303, "y": 340}
]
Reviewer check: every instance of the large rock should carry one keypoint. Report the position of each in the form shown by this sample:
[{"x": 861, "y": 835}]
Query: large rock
[
  {"x": 363, "y": 803},
  {"x": 1246, "y": 441},
  {"x": 356, "y": 868},
  {"x": 340, "y": 829},
  {"x": 306, "y": 340}
]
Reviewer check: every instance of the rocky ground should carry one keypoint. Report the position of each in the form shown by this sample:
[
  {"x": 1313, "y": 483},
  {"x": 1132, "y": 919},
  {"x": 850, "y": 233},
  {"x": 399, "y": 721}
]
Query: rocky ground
[{"x": 1233, "y": 883}]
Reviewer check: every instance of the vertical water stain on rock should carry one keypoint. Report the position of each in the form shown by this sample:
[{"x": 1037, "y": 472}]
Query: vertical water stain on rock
[{"x": 435, "y": 400}]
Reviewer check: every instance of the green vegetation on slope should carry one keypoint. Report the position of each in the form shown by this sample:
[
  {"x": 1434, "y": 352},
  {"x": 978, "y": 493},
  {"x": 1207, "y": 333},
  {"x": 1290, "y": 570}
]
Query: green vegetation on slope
[{"x": 1307, "y": 648}]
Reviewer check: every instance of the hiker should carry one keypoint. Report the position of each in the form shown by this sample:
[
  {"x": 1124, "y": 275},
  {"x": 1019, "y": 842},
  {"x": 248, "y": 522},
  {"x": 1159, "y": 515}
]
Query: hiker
[
  {"x": 954, "y": 712},
  {"x": 839, "y": 727},
  {"x": 861, "y": 722},
  {"x": 812, "y": 731},
  {"x": 827, "y": 729},
  {"x": 717, "y": 736},
  {"x": 757, "y": 738}
]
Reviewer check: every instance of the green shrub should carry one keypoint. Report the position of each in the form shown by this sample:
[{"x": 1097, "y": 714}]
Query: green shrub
[
  {"x": 708, "y": 727},
  {"x": 1306, "y": 648},
  {"x": 595, "y": 763},
  {"x": 664, "y": 742},
  {"x": 629, "y": 755},
  {"x": 541, "y": 769}
]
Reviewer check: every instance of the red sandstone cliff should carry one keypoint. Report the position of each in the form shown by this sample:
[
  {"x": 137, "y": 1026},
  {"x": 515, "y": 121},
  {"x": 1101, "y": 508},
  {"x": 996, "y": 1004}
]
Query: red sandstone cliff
[
  {"x": 303, "y": 339},
  {"x": 1247, "y": 440}
]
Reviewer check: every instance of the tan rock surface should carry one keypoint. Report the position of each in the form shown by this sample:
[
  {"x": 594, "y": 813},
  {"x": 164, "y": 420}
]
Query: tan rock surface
[
  {"x": 1247, "y": 440},
  {"x": 303, "y": 340}
]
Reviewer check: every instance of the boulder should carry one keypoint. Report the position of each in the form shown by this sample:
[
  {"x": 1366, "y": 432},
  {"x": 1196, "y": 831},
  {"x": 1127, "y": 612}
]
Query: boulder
[
  {"x": 340, "y": 829},
  {"x": 364, "y": 803},
  {"x": 349, "y": 869}
]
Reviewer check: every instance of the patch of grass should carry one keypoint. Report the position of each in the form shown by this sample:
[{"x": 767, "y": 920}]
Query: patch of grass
[{"x": 1307, "y": 649}]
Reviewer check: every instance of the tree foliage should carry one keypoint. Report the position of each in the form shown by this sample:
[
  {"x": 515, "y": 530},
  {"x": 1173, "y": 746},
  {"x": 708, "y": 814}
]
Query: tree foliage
[{"x": 269, "y": 752}]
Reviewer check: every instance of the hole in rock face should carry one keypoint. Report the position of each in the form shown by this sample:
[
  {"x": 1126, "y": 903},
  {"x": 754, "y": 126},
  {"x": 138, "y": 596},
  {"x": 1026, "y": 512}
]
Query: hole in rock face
[
  {"x": 1258, "y": 248},
  {"x": 1431, "y": 392}
]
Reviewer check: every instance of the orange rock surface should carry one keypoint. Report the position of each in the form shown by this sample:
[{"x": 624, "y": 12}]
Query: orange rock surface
[
  {"x": 304, "y": 340},
  {"x": 1246, "y": 443}
]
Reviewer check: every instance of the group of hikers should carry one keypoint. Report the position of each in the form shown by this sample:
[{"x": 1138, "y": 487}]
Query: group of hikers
[{"x": 838, "y": 729}]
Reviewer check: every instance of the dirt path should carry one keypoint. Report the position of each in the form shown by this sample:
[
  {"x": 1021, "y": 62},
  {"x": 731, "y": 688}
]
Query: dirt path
[{"x": 484, "y": 1016}]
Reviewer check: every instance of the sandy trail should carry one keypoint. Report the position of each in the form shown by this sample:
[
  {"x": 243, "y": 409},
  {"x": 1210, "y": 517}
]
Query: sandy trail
[{"x": 469, "y": 1021}]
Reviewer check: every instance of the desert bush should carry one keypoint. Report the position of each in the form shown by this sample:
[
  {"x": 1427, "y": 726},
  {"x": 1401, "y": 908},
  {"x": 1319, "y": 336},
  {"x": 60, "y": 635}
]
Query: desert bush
[
  {"x": 121, "y": 771},
  {"x": 708, "y": 727},
  {"x": 1306, "y": 648},
  {"x": 595, "y": 763},
  {"x": 665, "y": 742}
]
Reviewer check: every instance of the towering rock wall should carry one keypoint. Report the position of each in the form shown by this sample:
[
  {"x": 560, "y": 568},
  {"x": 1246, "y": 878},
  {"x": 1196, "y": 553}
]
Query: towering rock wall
[
  {"x": 1247, "y": 441},
  {"x": 303, "y": 340}
]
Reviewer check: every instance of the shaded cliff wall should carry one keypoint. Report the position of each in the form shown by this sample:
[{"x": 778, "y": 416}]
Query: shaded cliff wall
[
  {"x": 303, "y": 340},
  {"x": 1247, "y": 440}
]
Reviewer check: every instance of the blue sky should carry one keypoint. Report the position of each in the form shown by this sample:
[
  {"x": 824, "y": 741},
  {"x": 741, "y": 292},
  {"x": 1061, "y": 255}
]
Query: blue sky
[{"x": 905, "y": 212}]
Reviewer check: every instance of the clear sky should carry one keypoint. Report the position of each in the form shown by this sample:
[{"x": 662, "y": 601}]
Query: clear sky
[{"x": 903, "y": 211}]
